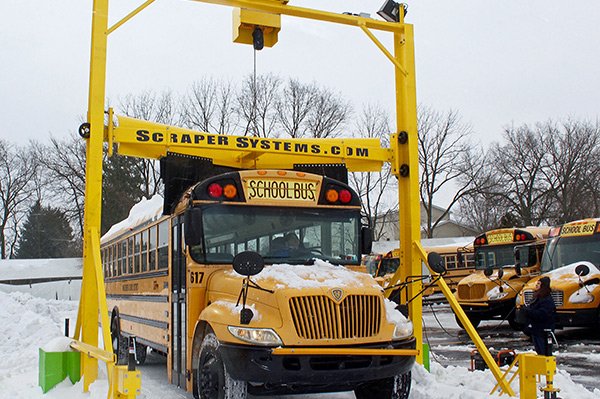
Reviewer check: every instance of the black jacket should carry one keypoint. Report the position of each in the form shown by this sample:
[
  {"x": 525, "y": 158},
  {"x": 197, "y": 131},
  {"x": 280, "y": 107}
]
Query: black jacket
[{"x": 541, "y": 314}]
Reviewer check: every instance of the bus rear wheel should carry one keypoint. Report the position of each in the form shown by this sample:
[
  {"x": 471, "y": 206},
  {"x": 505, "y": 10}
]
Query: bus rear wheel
[
  {"x": 213, "y": 380},
  {"x": 119, "y": 342},
  {"x": 397, "y": 387}
]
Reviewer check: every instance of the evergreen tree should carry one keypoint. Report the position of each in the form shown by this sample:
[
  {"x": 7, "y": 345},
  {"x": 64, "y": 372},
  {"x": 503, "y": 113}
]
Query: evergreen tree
[
  {"x": 122, "y": 189},
  {"x": 46, "y": 234}
]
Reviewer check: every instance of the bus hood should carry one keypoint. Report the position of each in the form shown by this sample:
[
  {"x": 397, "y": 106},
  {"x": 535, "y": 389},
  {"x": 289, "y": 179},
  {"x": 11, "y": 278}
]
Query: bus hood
[
  {"x": 565, "y": 275},
  {"x": 320, "y": 275}
]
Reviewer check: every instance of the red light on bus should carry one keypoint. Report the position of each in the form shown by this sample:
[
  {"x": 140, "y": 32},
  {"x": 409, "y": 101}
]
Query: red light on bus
[
  {"x": 230, "y": 191},
  {"x": 345, "y": 196},
  {"x": 215, "y": 190},
  {"x": 332, "y": 195}
]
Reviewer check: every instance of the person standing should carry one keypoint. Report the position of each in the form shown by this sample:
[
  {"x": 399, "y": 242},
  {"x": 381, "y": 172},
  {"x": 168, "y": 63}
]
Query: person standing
[{"x": 540, "y": 315}]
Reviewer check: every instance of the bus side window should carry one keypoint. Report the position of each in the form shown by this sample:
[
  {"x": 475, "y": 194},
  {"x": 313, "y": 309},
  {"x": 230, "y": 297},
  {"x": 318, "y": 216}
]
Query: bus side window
[
  {"x": 123, "y": 258},
  {"x": 152, "y": 248},
  {"x": 144, "y": 251},
  {"x": 130, "y": 255},
  {"x": 163, "y": 245},
  {"x": 136, "y": 252},
  {"x": 450, "y": 261}
]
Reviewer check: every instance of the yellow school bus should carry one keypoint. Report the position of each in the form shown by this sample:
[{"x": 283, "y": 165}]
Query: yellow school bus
[
  {"x": 490, "y": 292},
  {"x": 572, "y": 261},
  {"x": 297, "y": 320},
  {"x": 458, "y": 260}
]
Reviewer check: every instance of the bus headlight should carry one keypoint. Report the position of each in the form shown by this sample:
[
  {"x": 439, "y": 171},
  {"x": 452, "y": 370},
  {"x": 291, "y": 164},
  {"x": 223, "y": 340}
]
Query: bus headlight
[
  {"x": 403, "y": 330},
  {"x": 257, "y": 336}
]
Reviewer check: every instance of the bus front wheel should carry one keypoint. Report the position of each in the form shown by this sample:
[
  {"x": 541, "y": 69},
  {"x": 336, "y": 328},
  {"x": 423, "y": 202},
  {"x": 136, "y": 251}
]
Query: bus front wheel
[
  {"x": 397, "y": 387},
  {"x": 214, "y": 382}
]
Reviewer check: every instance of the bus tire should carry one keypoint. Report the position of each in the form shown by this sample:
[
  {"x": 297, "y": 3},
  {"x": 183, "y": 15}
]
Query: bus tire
[
  {"x": 474, "y": 321},
  {"x": 213, "y": 380},
  {"x": 119, "y": 342},
  {"x": 397, "y": 387}
]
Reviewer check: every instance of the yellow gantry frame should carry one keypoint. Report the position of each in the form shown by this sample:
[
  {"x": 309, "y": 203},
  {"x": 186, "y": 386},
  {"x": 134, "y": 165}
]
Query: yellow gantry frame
[{"x": 403, "y": 156}]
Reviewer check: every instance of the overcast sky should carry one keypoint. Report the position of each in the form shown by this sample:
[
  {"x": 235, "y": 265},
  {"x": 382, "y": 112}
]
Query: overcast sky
[{"x": 496, "y": 62}]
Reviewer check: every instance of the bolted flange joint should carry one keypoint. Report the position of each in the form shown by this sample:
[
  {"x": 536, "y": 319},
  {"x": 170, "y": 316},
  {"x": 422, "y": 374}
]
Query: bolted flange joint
[
  {"x": 402, "y": 137},
  {"x": 404, "y": 170}
]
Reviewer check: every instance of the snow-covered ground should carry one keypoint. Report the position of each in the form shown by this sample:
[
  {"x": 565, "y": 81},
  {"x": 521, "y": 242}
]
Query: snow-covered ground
[{"x": 28, "y": 322}]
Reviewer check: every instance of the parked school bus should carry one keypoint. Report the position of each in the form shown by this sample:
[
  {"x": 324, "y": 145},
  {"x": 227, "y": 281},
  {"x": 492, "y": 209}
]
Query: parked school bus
[
  {"x": 305, "y": 323},
  {"x": 490, "y": 292},
  {"x": 572, "y": 261},
  {"x": 458, "y": 261}
]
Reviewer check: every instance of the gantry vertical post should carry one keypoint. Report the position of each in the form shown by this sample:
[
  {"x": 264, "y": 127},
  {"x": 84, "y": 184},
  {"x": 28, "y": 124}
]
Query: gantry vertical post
[
  {"x": 406, "y": 169},
  {"x": 89, "y": 301}
]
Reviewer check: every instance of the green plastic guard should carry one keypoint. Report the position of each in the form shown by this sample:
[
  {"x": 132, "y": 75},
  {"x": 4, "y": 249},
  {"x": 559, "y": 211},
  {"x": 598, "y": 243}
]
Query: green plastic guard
[{"x": 56, "y": 366}]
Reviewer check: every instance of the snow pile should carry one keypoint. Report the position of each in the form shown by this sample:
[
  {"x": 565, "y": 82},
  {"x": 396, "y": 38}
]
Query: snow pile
[
  {"x": 29, "y": 323},
  {"x": 143, "y": 212},
  {"x": 17, "y": 269},
  {"x": 459, "y": 383},
  {"x": 392, "y": 314},
  {"x": 321, "y": 274}
]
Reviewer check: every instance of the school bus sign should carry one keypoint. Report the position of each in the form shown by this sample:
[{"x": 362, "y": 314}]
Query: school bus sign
[{"x": 153, "y": 140}]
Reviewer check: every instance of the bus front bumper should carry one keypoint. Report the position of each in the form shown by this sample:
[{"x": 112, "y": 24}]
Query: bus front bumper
[
  {"x": 305, "y": 370},
  {"x": 577, "y": 318},
  {"x": 488, "y": 310}
]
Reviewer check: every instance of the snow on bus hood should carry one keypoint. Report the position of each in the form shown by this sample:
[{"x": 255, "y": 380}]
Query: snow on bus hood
[
  {"x": 567, "y": 273},
  {"x": 321, "y": 274}
]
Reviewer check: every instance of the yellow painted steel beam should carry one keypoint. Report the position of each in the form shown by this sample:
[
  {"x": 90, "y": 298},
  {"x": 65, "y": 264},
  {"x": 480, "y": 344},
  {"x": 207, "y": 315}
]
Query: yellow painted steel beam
[
  {"x": 479, "y": 344},
  {"x": 275, "y": 7},
  {"x": 345, "y": 351},
  {"x": 93, "y": 351},
  {"x": 405, "y": 166},
  {"x": 129, "y": 16},
  {"x": 144, "y": 139},
  {"x": 93, "y": 189}
]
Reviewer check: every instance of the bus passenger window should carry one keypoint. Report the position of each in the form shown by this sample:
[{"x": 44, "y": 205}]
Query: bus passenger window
[
  {"x": 163, "y": 245},
  {"x": 136, "y": 253},
  {"x": 144, "y": 251},
  {"x": 130, "y": 257},
  {"x": 152, "y": 249}
]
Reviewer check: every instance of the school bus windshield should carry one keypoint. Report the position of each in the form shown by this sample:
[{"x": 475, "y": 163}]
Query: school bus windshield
[
  {"x": 494, "y": 256},
  {"x": 278, "y": 234},
  {"x": 562, "y": 251}
]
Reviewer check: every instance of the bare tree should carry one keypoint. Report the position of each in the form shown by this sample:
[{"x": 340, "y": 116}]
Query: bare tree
[
  {"x": 446, "y": 159},
  {"x": 18, "y": 168},
  {"x": 64, "y": 163},
  {"x": 519, "y": 167},
  {"x": 256, "y": 105},
  {"x": 572, "y": 171},
  {"x": 156, "y": 108},
  {"x": 296, "y": 102},
  {"x": 374, "y": 188},
  {"x": 328, "y": 114},
  {"x": 209, "y": 107}
]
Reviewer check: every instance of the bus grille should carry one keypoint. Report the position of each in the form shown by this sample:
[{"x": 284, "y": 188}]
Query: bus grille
[
  {"x": 557, "y": 296},
  {"x": 319, "y": 317},
  {"x": 476, "y": 291}
]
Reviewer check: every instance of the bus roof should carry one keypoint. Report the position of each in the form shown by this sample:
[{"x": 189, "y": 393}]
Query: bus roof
[{"x": 143, "y": 212}]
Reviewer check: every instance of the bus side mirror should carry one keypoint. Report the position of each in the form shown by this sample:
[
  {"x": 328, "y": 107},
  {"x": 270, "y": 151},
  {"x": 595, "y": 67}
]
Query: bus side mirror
[
  {"x": 460, "y": 259},
  {"x": 248, "y": 263},
  {"x": 366, "y": 240},
  {"x": 517, "y": 261},
  {"x": 436, "y": 263},
  {"x": 191, "y": 223},
  {"x": 488, "y": 271},
  {"x": 582, "y": 270}
]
